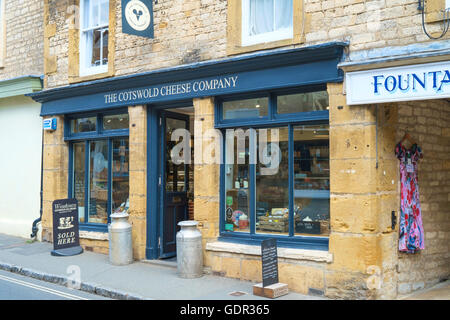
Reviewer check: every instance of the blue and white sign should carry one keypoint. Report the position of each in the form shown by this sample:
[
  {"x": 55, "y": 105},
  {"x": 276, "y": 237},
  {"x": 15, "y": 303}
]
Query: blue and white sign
[
  {"x": 50, "y": 124},
  {"x": 137, "y": 17},
  {"x": 405, "y": 83}
]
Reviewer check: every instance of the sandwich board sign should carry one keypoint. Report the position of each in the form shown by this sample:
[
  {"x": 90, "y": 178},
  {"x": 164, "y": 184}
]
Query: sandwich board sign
[
  {"x": 66, "y": 234},
  {"x": 270, "y": 286}
]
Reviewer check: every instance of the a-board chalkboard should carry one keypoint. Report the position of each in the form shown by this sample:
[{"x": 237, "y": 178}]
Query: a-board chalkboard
[
  {"x": 66, "y": 237},
  {"x": 269, "y": 258}
]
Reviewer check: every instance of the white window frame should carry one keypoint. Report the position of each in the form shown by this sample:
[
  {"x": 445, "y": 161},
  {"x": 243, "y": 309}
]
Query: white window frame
[
  {"x": 280, "y": 34},
  {"x": 86, "y": 70}
]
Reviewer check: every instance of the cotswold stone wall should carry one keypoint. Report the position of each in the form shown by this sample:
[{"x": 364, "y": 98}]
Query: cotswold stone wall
[
  {"x": 24, "y": 35},
  {"x": 428, "y": 123},
  {"x": 188, "y": 31},
  {"x": 367, "y": 24}
]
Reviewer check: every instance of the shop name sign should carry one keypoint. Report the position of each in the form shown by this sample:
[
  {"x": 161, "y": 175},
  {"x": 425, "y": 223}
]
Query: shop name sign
[
  {"x": 414, "y": 82},
  {"x": 167, "y": 90}
]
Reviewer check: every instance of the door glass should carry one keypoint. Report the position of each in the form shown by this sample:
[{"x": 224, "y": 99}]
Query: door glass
[
  {"x": 175, "y": 173},
  {"x": 98, "y": 182}
]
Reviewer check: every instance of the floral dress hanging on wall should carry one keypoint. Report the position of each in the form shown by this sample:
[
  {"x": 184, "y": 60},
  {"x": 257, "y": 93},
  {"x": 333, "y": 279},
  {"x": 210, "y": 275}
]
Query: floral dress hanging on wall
[{"x": 411, "y": 238}]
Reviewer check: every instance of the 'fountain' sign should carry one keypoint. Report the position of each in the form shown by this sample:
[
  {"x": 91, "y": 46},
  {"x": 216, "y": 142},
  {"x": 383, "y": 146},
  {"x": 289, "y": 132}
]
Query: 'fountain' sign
[{"x": 413, "y": 82}]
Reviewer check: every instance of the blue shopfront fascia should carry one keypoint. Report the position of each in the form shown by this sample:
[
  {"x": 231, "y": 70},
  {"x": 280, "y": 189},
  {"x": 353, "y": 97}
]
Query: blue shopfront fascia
[
  {"x": 260, "y": 71},
  {"x": 272, "y": 70}
]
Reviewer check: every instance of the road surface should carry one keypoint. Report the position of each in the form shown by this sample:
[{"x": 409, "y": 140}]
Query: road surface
[{"x": 17, "y": 287}]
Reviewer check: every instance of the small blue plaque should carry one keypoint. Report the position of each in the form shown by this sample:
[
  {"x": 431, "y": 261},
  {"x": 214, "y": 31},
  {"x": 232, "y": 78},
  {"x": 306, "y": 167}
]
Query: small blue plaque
[{"x": 50, "y": 124}]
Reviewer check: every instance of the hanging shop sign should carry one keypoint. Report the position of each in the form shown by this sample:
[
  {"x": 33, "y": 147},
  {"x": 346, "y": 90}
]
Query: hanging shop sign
[
  {"x": 137, "y": 17},
  {"x": 66, "y": 237},
  {"x": 405, "y": 83}
]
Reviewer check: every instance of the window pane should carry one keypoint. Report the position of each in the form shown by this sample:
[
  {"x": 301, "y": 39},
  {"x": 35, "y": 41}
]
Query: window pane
[
  {"x": 312, "y": 180},
  {"x": 272, "y": 182},
  {"x": 96, "y": 48},
  {"x": 283, "y": 14},
  {"x": 86, "y": 14},
  {"x": 120, "y": 183},
  {"x": 98, "y": 181},
  {"x": 261, "y": 17},
  {"x": 249, "y": 108},
  {"x": 175, "y": 173},
  {"x": 105, "y": 47},
  {"x": 104, "y": 12},
  {"x": 117, "y": 121},
  {"x": 83, "y": 124},
  {"x": 79, "y": 184},
  {"x": 302, "y": 102},
  {"x": 237, "y": 176}
]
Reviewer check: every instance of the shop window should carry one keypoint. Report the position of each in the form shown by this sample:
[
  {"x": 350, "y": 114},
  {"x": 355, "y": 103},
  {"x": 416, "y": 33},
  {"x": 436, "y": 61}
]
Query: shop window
[
  {"x": 276, "y": 174},
  {"x": 116, "y": 121},
  {"x": 272, "y": 188},
  {"x": 84, "y": 124},
  {"x": 99, "y": 168},
  {"x": 266, "y": 21},
  {"x": 302, "y": 102},
  {"x": 94, "y": 32},
  {"x": 311, "y": 191},
  {"x": 248, "y": 108}
]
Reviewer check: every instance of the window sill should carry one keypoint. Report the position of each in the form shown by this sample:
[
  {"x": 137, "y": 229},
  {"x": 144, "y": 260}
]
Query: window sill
[
  {"x": 286, "y": 253},
  {"x": 94, "y": 235}
]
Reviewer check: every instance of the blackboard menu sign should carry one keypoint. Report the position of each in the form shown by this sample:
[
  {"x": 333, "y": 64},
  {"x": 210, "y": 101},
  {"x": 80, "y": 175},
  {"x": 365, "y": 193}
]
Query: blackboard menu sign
[
  {"x": 66, "y": 237},
  {"x": 269, "y": 258},
  {"x": 312, "y": 227}
]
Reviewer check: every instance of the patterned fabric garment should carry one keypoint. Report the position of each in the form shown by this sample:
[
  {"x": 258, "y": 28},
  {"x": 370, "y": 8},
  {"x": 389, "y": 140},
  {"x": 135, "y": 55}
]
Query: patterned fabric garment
[{"x": 411, "y": 238}]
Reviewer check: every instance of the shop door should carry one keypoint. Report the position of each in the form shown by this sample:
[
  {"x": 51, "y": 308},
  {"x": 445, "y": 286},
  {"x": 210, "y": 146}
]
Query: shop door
[{"x": 174, "y": 186}]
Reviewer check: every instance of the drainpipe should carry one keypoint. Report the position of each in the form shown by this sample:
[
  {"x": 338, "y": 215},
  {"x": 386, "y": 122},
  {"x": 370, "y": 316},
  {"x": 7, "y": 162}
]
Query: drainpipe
[{"x": 34, "y": 228}]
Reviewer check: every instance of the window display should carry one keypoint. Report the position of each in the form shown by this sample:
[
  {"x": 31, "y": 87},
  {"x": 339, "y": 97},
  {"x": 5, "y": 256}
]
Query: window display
[
  {"x": 272, "y": 190},
  {"x": 100, "y": 173},
  {"x": 237, "y": 172},
  {"x": 311, "y": 180},
  {"x": 98, "y": 182},
  {"x": 278, "y": 183}
]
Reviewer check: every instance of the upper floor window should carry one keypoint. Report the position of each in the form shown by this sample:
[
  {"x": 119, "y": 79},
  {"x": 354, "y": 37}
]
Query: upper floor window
[
  {"x": 94, "y": 36},
  {"x": 266, "y": 21}
]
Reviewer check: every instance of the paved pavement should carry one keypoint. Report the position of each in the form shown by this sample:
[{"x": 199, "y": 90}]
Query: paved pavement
[
  {"x": 139, "y": 280},
  {"x": 17, "y": 287},
  {"x": 441, "y": 291}
]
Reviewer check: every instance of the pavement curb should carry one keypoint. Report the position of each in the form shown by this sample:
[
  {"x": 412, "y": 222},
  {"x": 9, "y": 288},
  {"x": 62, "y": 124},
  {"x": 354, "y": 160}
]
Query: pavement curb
[{"x": 60, "y": 280}]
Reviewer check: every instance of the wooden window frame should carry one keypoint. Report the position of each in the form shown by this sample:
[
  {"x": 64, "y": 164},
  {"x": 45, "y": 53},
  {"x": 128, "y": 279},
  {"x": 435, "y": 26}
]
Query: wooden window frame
[{"x": 234, "y": 29}]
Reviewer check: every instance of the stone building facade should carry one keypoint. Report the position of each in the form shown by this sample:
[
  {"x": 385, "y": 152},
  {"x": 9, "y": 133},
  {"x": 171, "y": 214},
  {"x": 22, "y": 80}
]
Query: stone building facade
[{"x": 361, "y": 260}]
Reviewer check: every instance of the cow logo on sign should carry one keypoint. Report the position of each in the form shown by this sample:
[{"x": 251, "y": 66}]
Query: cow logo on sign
[{"x": 138, "y": 15}]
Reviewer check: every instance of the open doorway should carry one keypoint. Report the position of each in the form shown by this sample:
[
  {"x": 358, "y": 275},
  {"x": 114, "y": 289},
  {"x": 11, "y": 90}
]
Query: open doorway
[{"x": 176, "y": 179}]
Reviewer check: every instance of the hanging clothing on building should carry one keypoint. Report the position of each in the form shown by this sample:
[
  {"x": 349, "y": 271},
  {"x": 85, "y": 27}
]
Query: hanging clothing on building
[{"x": 411, "y": 238}]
